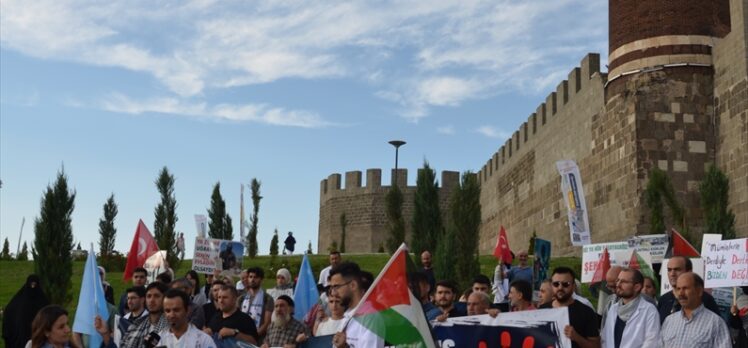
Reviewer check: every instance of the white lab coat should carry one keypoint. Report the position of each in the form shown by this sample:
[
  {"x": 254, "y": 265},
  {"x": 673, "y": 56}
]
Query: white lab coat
[{"x": 642, "y": 329}]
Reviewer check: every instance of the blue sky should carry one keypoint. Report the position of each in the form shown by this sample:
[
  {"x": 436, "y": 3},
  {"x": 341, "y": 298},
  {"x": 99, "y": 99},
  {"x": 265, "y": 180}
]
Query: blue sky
[{"x": 287, "y": 92}]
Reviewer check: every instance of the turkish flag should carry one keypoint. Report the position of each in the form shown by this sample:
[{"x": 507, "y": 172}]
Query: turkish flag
[
  {"x": 143, "y": 246},
  {"x": 502, "y": 251},
  {"x": 602, "y": 267}
]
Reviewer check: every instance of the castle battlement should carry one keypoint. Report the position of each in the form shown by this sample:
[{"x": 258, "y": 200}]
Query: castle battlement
[
  {"x": 334, "y": 185},
  {"x": 580, "y": 79}
]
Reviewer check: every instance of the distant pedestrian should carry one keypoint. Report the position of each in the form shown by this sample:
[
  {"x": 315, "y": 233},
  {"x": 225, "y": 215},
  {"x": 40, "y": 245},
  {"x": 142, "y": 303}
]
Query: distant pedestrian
[
  {"x": 180, "y": 246},
  {"x": 289, "y": 243}
]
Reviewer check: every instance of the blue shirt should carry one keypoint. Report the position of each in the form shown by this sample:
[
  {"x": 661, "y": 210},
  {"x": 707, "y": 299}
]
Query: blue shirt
[{"x": 523, "y": 273}]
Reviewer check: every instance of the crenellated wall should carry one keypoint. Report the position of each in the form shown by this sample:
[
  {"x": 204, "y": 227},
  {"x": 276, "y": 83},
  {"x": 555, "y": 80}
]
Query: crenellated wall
[
  {"x": 364, "y": 207},
  {"x": 520, "y": 187}
]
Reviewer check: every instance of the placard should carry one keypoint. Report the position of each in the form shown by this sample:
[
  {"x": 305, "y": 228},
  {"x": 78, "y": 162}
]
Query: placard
[
  {"x": 591, "y": 254},
  {"x": 726, "y": 263},
  {"x": 698, "y": 268},
  {"x": 217, "y": 255},
  {"x": 654, "y": 244},
  {"x": 576, "y": 205}
]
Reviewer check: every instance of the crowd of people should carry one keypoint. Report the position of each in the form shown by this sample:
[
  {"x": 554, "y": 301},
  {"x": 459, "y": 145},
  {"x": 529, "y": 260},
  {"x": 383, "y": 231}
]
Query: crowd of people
[{"x": 221, "y": 312}]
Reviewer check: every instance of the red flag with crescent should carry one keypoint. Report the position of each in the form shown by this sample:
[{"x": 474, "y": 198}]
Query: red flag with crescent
[
  {"x": 502, "y": 251},
  {"x": 143, "y": 246}
]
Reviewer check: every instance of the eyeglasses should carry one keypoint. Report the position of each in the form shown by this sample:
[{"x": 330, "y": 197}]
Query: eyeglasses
[
  {"x": 338, "y": 286},
  {"x": 559, "y": 284}
]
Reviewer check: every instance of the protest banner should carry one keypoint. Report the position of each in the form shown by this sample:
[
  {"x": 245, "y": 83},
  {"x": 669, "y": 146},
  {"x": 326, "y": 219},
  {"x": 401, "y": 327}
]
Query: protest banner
[
  {"x": 591, "y": 255},
  {"x": 538, "y": 328},
  {"x": 217, "y": 255},
  {"x": 542, "y": 262},
  {"x": 726, "y": 263},
  {"x": 709, "y": 237},
  {"x": 654, "y": 244},
  {"x": 576, "y": 206},
  {"x": 201, "y": 221},
  {"x": 155, "y": 265},
  {"x": 723, "y": 298}
]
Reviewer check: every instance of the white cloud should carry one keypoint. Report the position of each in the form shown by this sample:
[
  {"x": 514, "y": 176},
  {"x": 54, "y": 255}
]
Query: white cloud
[
  {"x": 493, "y": 132},
  {"x": 259, "y": 113},
  {"x": 447, "y": 130},
  {"x": 418, "y": 55}
]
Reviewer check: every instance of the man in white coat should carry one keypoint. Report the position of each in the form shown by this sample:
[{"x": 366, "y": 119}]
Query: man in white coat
[{"x": 631, "y": 322}]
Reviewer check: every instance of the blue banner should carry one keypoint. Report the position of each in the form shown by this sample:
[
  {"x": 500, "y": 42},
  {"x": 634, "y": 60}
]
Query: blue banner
[{"x": 542, "y": 262}]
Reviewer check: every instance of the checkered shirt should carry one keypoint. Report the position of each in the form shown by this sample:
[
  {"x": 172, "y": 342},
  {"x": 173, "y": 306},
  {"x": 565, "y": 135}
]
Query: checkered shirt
[
  {"x": 141, "y": 327},
  {"x": 704, "y": 329},
  {"x": 279, "y": 336}
]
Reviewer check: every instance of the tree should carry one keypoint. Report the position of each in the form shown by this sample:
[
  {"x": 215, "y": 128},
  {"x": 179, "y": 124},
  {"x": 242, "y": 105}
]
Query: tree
[
  {"x": 5, "y": 255},
  {"x": 24, "y": 254},
  {"x": 274, "y": 244},
  {"x": 220, "y": 222},
  {"x": 53, "y": 241},
  {"x": 659, "y": 191},
  {"x": 252, "y": 236},
  {"x": 444, "y": 262},
  {"x": 715, "y": 194},
  {"x": 164, "y": 226},
  {"x": 343, "y": 224},
  {"x": 396, "y": 223},
  {"x": 531, "y": 248},
  {"x": 333, "y": 246},
  {"x": 107, "y": 231},
  {"x": 465, "y": 220},
  {"x": 427, "y": 217}
]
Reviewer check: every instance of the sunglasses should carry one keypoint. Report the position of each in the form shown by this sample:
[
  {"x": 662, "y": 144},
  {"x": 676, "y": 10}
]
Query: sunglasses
[{"x": 559, "y": 284}]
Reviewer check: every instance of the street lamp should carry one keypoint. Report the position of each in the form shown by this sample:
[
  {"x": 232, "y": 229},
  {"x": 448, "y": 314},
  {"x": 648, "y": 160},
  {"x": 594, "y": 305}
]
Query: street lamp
[{"x": 396, "y": 144}]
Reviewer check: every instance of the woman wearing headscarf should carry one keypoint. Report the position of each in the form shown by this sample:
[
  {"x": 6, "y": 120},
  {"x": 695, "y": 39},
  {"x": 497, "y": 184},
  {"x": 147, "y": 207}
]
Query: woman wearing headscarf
[
  {"x": 283, "y": 284},
  {"x": 20, "y": 312}
]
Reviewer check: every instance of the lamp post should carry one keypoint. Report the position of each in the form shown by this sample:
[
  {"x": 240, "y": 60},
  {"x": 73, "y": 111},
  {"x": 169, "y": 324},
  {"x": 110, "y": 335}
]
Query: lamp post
[{"x": 396, "y": 144}]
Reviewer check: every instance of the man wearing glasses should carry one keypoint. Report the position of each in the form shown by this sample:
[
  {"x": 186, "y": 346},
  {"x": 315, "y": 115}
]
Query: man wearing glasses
[
  {"x": 345, "y": 283},
  {"x": 584, "y": 331},
  {"x": 631, "y": 322}
]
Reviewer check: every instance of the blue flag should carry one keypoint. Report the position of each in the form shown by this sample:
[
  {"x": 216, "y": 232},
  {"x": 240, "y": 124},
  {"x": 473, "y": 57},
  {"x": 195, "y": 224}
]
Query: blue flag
[
  {"x": 305, "y": 295},
  {"x": 91, "y": 302}
]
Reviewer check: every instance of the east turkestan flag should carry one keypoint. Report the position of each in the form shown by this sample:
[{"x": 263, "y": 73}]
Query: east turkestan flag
[{"x": 389, "y": 309}]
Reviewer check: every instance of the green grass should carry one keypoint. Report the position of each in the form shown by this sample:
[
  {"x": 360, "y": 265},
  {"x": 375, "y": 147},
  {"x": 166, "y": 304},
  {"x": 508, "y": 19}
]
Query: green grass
[{"x": 14, "y": 273}]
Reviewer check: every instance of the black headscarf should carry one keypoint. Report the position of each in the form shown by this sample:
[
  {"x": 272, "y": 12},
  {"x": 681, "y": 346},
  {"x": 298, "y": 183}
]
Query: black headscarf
[{"x": 21, "y": 311}]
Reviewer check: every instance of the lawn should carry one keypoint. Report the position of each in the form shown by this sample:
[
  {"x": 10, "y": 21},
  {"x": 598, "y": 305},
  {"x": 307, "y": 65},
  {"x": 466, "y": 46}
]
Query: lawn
[{"x": 14, "y": 273}]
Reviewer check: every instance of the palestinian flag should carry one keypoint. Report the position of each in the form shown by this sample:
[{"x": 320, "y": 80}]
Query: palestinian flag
[
  {"x": 390, "y": 310},
  {"x": 603, "y": 265},
  {"x": 638, "y": 262},
  {"x": 679, "y": 246}
]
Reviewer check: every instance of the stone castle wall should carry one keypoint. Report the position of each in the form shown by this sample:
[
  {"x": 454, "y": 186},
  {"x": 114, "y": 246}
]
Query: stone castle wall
[
  {"x": 364, "y": 207},
  {"x": 675, "y": 98},
  {"x": 731, "y": 118}
]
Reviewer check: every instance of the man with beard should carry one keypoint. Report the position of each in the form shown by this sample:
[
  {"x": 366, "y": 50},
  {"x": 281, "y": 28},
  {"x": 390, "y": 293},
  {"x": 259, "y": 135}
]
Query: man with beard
[
  {"x": 324, "y": 275},
  {"x": 139, "y": 278},
  {"x": 136, "y": 304},
  {"x": 607, "y": 296},
  {"x": 444, "y": 297},
  {"x": 154, "y": 322},
  {"x": 694, "y": 325},
  {"x": 427, "y": 269},
  {"x": 583, "y": 331},
  {"x": 345, "y": 283},
  {"x": 257, "y": 303},
  {"x": 631, "y": 322},
  {"x": 668, "y": 303},
  {"x": 230, "y": 322},
  {"x": 520, "y": 296},
  {"x": 285, "y": 330}
]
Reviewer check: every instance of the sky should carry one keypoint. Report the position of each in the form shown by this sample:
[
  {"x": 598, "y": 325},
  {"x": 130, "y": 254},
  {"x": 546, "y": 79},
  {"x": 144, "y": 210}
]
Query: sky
[{"x": 287, "y": 92}]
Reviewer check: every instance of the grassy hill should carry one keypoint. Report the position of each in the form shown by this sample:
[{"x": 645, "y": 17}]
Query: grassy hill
[{"x": 14, "y": 273}]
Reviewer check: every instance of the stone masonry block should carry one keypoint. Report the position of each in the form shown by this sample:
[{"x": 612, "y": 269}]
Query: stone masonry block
[
  {"x": 680, "y": 166},
  {"x": 662, "y": 164},
  {"x": 664, "y": 117},
  {"x": 697, "y": 146},
  {"x": 675, "y": 108},
  {"x": 687, "y": 118},
  {"x": 353, "y": 179}
]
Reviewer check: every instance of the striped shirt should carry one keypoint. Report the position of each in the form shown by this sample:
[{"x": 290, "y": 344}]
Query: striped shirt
[{"x": 704, "y": 329}]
